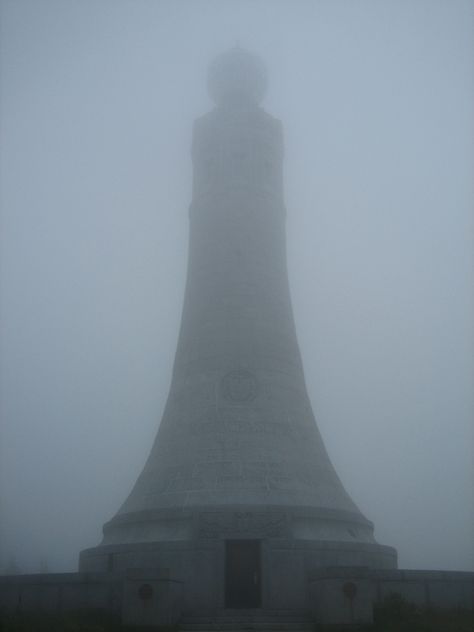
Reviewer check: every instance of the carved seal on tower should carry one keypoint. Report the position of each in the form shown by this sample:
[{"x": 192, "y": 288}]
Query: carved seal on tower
[{"x": 239, "y": 386}]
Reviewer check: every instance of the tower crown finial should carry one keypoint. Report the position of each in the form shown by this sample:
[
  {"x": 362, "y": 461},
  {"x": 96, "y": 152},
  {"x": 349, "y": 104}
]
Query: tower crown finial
[{"x": 237, "y": 75}]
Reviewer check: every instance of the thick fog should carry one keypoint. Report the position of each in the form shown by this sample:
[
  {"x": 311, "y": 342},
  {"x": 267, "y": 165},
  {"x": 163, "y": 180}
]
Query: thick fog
[{"x": 98, "y": 99}]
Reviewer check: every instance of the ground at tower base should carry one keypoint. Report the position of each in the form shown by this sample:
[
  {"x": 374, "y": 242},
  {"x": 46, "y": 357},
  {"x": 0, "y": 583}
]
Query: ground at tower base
[{"x": 338, "y": 598}]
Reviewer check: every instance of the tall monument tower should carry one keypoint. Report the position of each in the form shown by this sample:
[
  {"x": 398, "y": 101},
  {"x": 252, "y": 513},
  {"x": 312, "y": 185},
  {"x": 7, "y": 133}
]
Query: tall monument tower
[{"x": 238, "y": 481}]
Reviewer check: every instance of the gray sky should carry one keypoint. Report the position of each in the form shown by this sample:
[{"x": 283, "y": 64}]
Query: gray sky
[{"x": 97, "y": 103}]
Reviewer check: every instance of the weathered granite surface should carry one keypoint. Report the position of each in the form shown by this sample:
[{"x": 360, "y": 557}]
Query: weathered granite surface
[{"x": 238, "y": 451}]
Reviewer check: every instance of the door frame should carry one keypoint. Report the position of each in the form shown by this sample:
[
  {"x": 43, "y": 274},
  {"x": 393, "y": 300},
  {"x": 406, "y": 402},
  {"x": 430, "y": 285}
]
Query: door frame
[{"x": 259, "y": 556}]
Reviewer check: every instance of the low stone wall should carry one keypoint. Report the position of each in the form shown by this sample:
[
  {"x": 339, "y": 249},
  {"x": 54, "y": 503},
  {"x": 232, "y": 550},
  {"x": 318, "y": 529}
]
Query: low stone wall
[
  {"x": 348, "y": 595},
  {"x": 437, "y": 589},
  {"x": 337, "y": 595},
  {"x": 140, "y": 597},
  {"x": 61, "y": 592}
]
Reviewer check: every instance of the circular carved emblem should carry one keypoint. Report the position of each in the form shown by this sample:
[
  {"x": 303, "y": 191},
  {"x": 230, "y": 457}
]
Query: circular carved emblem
[
  {"x": 350, "y": 590},
  {"x": 239, "y": 386},
  {"x": 145, "y": 592}
]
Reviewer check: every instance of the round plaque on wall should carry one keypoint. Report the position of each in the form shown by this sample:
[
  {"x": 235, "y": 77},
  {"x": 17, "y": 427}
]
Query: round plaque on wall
[
  {"x": 239, "y": 386},
  {"x": 145, "y": 592}
]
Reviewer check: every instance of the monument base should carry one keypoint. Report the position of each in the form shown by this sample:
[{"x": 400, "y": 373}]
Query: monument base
[
  {"x": 337, "y": 596},
  {"x": 239, "y": 573}
]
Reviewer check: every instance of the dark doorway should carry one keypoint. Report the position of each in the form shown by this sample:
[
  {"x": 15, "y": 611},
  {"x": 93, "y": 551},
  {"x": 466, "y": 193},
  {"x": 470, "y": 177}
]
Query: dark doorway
[{"x": 242, "y": 574}]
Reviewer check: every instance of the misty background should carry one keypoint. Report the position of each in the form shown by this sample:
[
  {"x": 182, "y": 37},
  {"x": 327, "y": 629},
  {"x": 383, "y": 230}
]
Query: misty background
[{"x": 98, "y": 98}]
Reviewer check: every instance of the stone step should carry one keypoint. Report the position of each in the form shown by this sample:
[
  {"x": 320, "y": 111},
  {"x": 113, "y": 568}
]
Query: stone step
[
  {"x": 270, "y": 627},
  {"x": 254, "y": 612},
  {"x": 242, "y": 620},
  {"x": 247, "y": 626},
  {"x": 245, "y": 619}
]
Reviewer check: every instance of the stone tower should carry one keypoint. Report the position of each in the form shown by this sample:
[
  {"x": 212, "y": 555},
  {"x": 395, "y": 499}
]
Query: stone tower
[{"x": 238, "y": 480}]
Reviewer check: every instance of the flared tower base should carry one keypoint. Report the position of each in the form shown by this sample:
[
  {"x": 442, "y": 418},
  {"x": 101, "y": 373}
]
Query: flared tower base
[
  {"x": 239, "y": 557},
  {"x": 248, "y": 573}
]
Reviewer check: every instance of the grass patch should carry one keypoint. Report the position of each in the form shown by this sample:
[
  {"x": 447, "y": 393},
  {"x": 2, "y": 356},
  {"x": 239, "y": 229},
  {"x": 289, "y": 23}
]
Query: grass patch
[
  {"x": 80, "y": 621},
  {"x": 397, "y": 615},
  {"x": 394, "y": 615}
]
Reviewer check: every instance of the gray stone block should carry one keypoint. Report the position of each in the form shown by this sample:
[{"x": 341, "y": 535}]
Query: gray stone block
[{"x": 151, "y": 597}]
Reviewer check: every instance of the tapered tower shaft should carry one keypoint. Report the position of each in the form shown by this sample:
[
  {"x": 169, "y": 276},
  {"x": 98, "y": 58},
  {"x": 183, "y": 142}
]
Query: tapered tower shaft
[
  {"x": 238, "y": 467},
  {"x": 238, "y": 429}
]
